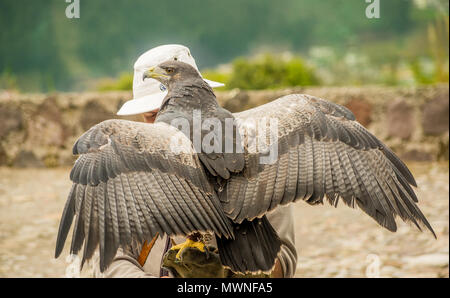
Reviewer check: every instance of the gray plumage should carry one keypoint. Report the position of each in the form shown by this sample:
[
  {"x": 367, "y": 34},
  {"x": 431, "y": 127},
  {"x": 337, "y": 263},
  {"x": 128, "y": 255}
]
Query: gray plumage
[
  {"x": 190, "y": 94},
  {"x": 130, "y": 183},
  {"x": 331, "y": 155}
]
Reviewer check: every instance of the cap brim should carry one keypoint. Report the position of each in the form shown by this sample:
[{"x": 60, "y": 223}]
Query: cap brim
[
  {"x": 213, "y": 84},
  {"x": 151, "y": 102},
  {"x": 142, "y": 105}
]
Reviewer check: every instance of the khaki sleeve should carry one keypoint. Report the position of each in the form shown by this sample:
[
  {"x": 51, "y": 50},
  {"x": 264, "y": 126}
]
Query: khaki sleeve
[
  {"x": 282, "y": 220},
  {"x": 124, "y": 265}
]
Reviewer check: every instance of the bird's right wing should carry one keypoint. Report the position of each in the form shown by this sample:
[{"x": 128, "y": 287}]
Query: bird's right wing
[
  {"x": 131, "y": 181},
  {"x": 321, "y": 151}
]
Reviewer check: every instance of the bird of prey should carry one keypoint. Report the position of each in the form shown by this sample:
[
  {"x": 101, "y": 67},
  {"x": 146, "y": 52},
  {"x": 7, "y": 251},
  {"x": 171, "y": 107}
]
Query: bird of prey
[{"x": 132, "y": 181}]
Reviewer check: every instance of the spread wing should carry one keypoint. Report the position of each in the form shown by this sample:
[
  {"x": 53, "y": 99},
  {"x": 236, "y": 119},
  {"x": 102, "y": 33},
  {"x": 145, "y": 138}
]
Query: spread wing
[
  {"x": 131, "y": 181},
  {"x": 322, "y": 152}
]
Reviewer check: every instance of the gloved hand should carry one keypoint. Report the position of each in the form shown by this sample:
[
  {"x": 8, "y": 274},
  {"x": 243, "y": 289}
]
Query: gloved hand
[{"x": 195, "y": 263}]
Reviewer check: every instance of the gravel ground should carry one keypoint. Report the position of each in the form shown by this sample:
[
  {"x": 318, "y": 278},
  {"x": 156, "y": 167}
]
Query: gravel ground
[{"x": 330, "y": 242}]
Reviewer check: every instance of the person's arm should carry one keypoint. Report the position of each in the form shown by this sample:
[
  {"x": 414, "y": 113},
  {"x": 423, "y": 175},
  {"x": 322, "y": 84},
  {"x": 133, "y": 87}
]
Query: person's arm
[
  {"x": 125, "y": 265},
  {"x": 282, "y": 220}
]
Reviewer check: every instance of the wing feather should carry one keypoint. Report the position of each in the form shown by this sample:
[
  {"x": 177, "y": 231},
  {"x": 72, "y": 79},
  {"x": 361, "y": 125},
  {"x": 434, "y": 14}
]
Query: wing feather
[
  {"x": 133, "y": 215},
  {"x": 132, "y": 181},
  {"x": 324, "y": 152}
]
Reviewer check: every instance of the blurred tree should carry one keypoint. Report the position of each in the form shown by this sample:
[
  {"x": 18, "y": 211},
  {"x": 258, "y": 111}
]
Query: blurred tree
[
  {"x": 267, "y": 72},
  {"x": 46, "y": 50},
  {"x": 124, "y": 82}
]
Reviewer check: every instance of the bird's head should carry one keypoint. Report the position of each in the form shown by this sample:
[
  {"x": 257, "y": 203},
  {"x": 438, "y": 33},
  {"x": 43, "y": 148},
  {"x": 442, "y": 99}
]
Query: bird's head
[{"x": 172, "y": 71}]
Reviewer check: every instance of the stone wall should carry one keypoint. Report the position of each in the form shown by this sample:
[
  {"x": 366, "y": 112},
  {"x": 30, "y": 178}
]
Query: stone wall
[{"x": 38, "y": 130}]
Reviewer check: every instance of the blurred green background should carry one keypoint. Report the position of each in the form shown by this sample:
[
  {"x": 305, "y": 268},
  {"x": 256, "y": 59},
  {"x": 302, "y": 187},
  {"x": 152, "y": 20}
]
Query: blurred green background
[{"x": 248, "y": 44}]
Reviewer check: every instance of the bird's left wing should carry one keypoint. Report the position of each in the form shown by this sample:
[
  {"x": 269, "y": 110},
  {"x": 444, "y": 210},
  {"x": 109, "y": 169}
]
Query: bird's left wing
[
  {"x": 316, "y": 149},
  {"x": 131, "y": 181}
]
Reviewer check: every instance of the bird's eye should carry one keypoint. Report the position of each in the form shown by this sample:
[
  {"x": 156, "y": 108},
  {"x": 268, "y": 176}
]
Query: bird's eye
[{"x": 169, "y": 70}]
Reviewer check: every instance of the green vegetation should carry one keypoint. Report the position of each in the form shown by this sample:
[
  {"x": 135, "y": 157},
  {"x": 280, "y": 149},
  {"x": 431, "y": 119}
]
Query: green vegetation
[
  {"x": 268, "y": 71},
  {"x": 124, "y": 82},
  {"x": 42, "y": 50},
  {"x": 7, "y": 80}
]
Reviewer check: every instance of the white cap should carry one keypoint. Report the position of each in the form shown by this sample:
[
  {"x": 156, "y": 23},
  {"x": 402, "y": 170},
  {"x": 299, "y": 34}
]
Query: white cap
[{"x": 149, "y": 94}]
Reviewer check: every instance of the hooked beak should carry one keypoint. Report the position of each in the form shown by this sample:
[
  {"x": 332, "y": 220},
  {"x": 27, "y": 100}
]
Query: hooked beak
[{"x": 154, "y": 73}]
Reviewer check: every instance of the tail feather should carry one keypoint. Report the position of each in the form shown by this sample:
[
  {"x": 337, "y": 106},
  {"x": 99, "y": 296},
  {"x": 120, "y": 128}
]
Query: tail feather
[{"x": 254, "y": 248}]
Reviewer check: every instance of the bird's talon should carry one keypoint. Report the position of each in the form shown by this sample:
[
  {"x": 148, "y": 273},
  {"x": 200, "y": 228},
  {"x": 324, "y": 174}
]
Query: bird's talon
[{"x": 189, "y": 243}]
